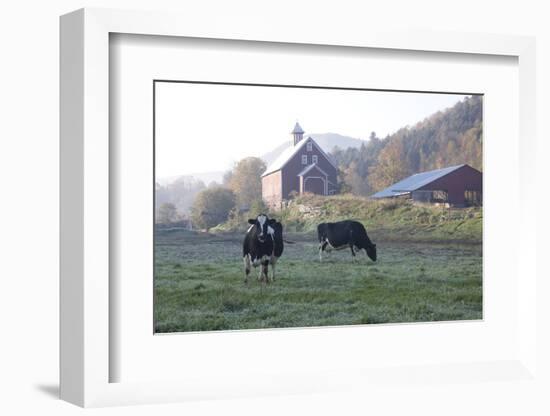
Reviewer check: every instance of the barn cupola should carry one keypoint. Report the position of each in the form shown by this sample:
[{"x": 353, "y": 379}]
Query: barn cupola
[{"x": 297, "y": 133}]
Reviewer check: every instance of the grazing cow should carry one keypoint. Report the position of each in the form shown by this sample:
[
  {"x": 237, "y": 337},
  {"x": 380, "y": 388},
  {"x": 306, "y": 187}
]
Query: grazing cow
[
  {"x": 258, "y": 246},
  {"x": 338, "y": 235}
]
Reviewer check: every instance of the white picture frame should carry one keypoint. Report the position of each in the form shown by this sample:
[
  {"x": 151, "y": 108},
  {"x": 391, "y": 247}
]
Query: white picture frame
[{"x": 85, "y": 355}]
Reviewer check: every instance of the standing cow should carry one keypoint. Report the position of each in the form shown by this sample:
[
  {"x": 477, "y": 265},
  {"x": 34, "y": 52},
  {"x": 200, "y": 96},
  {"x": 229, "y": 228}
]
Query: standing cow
[
  {"x": 258, "y": 246},
  {"x": 338, "y": 235}
]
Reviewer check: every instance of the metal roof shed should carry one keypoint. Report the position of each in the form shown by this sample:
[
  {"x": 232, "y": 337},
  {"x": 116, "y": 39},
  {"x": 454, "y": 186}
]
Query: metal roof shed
[{"x": 461, "y": 184}]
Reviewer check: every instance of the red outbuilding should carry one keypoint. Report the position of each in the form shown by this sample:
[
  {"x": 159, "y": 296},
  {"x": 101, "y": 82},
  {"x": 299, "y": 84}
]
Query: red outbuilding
[{"x": 458, "y": 186}]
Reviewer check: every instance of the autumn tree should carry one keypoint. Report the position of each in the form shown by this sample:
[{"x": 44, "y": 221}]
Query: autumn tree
[
  {"x": 392, "y": 166},
  {"x": 212, "y": 206},
  {"x": 245, "y": 180}
]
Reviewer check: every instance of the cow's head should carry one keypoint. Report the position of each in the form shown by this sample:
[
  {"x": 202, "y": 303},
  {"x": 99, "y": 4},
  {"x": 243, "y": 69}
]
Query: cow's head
[
  {"x": 371, "y": 251},
  {"x": 263, "y": 226}
]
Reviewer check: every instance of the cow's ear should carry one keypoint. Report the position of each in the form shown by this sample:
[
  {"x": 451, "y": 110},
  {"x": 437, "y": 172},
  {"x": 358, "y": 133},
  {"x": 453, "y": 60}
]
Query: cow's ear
[
  {"x": 272, "y": 221},
  {"x": 251, "y": 221}
]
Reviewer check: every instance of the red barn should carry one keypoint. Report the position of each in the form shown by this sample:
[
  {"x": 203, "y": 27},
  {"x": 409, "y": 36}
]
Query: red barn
[
  {"x": 302, "y": 167},
  {"x": 458, "y": 186}
]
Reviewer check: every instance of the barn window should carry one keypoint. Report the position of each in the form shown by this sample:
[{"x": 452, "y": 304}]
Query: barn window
[
  {"x": 314, "y": 159},
  {"x": 422, "y": 196},
  {"x": 472, "y": 198},
  {"x": 304, "y": 159},
  {"x": 439, "y": 196},
  {"x": 309, "y": 146}
]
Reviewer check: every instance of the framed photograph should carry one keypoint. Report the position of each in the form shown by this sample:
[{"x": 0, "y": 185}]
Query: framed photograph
[
  {"x": 280, "y": 212},
  {"x": 272, "y": 197}
]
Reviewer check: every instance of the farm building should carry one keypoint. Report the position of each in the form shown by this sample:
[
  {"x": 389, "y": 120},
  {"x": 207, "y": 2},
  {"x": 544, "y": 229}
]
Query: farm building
[
  {"x": 457, "y": 186},
  {"x": 302, "y": 167}
]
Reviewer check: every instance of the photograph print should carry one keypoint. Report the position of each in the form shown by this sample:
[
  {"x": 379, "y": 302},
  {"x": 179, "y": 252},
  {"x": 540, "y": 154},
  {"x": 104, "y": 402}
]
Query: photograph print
[{"x": 289, "y": 206}]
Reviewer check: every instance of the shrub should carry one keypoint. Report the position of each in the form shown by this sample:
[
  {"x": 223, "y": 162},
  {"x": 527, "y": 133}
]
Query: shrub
[{"x": 212, "y": 206}]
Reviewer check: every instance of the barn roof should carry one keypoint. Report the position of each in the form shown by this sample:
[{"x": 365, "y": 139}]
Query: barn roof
[
  {"x": 309, "y": 167},
  {"x": 414, "y": 182},
  {"x": 289, "y": 153}
]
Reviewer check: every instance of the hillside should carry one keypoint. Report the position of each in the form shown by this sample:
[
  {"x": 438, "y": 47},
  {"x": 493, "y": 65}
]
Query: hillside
[
  {"x": 385, "y": 220},
  {"x": 205, "y": 177},
  {"x": 389, "y": 220},
  {"x": 446, "y": 138}
]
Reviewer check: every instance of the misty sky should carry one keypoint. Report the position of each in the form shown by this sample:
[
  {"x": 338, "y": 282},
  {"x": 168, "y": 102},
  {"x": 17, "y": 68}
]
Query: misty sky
[{"x": 203, "y": 128}]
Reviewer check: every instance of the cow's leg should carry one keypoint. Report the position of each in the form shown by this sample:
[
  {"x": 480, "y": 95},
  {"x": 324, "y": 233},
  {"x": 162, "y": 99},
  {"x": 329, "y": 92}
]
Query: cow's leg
[
  {"x": 265, "y": 270},
  {"x": 322, "y": 247},
  {"x": 246, "y": 260},
  {"x": 273, "y": 261},
  {"x": 352, "y": 251},
  {"x": 257, "y": 263}
]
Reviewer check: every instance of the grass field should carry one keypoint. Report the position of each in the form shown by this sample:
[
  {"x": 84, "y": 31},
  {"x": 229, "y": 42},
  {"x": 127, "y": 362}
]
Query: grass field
[{"x": 199, "y": 283}]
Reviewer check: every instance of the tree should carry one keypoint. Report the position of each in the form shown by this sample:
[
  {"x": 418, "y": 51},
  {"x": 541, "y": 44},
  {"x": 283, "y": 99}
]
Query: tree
[
  {"x": 343, "y": 186},
  {"x": 212, "y": 206},
  {"x": 227, "y": 177},
  {"x": 392, "y": 166},
  {"x": 257, "y": 207},
  {"x": 167, "y": 213},
  {"x": 355, "y": 177},
  {"x": 245, "y": 180}
]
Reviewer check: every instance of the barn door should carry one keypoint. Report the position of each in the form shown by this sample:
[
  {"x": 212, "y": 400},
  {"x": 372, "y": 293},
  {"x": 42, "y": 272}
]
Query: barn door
[{"x": 314, "y": 185}]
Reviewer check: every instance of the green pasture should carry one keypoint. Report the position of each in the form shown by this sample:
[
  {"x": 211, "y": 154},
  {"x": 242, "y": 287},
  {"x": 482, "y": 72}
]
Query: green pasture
[{"x": 199, "y": 281}]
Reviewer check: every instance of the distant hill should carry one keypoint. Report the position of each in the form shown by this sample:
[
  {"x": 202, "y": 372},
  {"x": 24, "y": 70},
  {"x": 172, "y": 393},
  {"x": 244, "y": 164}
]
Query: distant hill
[
  {"x": 206, "y": 177},
  {"x": 327, "y": 141}
]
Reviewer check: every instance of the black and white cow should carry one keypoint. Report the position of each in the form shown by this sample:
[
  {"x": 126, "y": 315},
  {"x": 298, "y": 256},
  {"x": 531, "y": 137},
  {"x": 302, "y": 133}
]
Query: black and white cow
[
  {"x": 258, "y": 246},
  {"x": 342, "y": 234}
]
